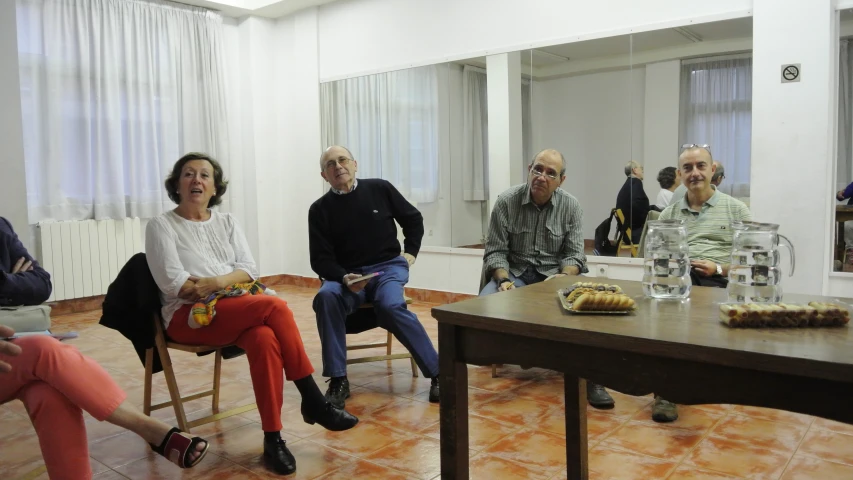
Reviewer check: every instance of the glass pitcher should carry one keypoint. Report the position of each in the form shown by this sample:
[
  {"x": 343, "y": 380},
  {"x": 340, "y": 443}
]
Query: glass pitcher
[
  {"x": 755, "y": 275},
  {"x": 666, "y": 268}
]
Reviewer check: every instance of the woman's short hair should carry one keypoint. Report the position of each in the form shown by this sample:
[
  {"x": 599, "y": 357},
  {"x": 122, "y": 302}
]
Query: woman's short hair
[
  {"x": 666, "y": 177},
  {"x": 219, "y": 182}
]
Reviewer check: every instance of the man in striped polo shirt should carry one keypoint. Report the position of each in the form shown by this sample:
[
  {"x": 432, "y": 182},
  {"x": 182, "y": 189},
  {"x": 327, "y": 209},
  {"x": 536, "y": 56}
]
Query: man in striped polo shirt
[
  {"x": 536, "y": 234},
  {"x": 708, "y": 214}
]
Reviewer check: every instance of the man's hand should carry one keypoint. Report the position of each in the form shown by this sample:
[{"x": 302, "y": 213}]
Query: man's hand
[
  {"x": 839, "y": 195},
  {"x": 7, "y": 348},
  {"x": 409, "y": 258},
  {"x": 355, "y": 287},
  {"x": 22, "y": 265},
  {"x": 705, "y": 268},
  {"x": 506, "y": 285}
]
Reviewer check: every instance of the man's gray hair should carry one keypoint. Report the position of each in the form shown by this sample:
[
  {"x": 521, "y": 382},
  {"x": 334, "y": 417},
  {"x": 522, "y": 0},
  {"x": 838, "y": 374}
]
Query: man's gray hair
[
  {"x": 562, "y": 159},
  {"x": 719, "y": 173},
  {"x": 323, "y": 155},
  {"x": 630, "y": 166}
]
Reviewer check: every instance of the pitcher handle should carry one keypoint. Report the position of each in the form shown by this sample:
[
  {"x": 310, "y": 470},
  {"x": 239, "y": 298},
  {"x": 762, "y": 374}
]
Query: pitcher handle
[{"x": 790, "y": 247}]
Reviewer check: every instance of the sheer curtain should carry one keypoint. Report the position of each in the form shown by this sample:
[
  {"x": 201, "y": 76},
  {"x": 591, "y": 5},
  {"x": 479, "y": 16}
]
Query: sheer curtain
[
  {"x": 844, "y": 163},
  {"x": 716, "y": 109},
  {"x": 113, "y": 92},
  {"x": 476, "y": 131},
  {"x": 475, "y": 135},
  {"x": 390, "y": 122}
]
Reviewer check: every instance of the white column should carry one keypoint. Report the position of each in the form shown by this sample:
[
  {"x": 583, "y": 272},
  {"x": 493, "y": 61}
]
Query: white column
[
  {"x": 660, "y": 133},
  {"x": 13, "y": 181},
  {"x": 504, "y": 84},
  {"x": 793, "y": 129}
]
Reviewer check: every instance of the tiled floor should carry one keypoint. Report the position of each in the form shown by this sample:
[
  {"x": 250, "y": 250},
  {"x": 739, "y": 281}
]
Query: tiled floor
[{"x": 516, "y": 425}]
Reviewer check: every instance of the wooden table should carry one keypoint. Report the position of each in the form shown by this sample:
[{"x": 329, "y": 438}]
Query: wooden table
[
  {"x": 843, "y": 213},
  {"x": 678, "y": 350}
]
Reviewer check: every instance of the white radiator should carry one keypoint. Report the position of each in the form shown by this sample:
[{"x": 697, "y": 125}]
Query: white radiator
[{"x": 84, "y": 257}]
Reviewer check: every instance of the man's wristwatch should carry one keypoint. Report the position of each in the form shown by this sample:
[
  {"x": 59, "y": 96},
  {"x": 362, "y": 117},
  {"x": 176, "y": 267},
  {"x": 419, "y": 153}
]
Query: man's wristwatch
[
  {"x": 499, "y": 281},
  {"x": 719, "y": 269}
]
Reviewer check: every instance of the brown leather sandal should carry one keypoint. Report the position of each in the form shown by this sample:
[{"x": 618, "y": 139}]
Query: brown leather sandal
[{"x": 177, "y": 447}]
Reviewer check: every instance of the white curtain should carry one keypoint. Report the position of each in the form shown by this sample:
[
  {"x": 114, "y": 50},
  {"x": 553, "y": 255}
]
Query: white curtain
[
  {"x": 113, "y": 92},
  {"x": 716, "y": 109},
  {"x": 390, "y": 123},
  {"x": 844, "y": 163},
  {"x": 475, "y": 134}
]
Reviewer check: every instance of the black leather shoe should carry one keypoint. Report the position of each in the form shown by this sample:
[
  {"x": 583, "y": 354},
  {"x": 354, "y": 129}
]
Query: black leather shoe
[
  {"x": 598, "y": 397},
  {"x": 338, "y": 391},
  {"x": 434, "y": 394},
  {"x": 330, "y": 417},
  {"x": 278, "y": 457}
]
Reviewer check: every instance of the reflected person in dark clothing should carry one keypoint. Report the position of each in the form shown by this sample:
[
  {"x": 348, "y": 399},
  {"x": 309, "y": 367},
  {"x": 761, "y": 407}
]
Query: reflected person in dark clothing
[{"x": 633, "y": 202}]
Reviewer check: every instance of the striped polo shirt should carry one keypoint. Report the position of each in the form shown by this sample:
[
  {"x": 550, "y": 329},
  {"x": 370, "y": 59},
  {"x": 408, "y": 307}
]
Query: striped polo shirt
[
  {"x": 545, "y": 238},
  {"x": 709, "y": 232}
]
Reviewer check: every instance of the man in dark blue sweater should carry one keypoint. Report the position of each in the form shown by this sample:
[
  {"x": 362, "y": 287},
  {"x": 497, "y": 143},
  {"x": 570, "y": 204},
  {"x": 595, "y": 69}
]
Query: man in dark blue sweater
[
  {"x": 22, "y": 280},
  {"x": 351, "y": 232}
]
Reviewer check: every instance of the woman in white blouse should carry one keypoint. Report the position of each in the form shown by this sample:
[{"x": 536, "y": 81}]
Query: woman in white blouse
[
  {"x": 669, "y": 179},
  {"x": 194, "y": 251}
]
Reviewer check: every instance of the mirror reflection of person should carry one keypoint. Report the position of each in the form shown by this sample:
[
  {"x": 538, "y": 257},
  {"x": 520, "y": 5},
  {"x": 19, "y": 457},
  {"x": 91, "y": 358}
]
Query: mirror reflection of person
[
  {"x": 633, "y": 202},
  {"x": 536, "y": 234},
  {"x": 841, "y": 195},
  {"x": 708, "y": 214},
  {"x": 669, "y": 178}
]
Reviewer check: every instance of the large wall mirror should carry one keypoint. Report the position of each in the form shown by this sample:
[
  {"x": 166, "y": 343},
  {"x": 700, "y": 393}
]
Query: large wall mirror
[
  {"x": 603, "y": 103},
  {"x": 843, "y": 239}
]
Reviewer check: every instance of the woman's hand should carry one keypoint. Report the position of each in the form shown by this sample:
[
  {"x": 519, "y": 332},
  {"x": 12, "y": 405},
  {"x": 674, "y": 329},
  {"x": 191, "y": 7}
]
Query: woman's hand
[
  {"x": 7, "y": 348},
  {"x": 207, "y": 285}
]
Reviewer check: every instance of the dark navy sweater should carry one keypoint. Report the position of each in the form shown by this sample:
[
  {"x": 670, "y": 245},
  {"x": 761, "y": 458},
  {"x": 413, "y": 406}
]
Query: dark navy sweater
[
  {"x": 357, "y": 229},
  {"x": 23, "y": 288}
]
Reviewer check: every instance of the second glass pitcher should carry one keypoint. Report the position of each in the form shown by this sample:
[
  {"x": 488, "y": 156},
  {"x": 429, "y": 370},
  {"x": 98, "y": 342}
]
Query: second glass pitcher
[{"x": 755, "y": 275}]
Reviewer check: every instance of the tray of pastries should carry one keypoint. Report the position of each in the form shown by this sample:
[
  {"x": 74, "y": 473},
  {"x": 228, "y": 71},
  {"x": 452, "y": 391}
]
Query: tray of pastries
[
  {"x": 784, "y": 315},
  {"x": 595, "y": 298}
]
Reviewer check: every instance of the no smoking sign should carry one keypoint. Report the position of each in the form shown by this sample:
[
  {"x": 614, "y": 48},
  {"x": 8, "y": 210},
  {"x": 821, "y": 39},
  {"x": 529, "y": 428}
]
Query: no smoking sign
[{"x": 791, "y": 73}]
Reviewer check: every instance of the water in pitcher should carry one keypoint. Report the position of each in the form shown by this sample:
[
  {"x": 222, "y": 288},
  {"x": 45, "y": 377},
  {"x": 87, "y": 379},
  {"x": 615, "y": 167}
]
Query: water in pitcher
[
  {"x": 666, "y": 270},
  {"x": 755, "y": 275}
]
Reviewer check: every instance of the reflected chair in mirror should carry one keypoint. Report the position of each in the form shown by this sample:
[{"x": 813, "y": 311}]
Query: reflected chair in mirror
[
  {"x": 653, "y": 215},
  {"x": 364, "y": 319},
  {"x": 625, "y": 237}
]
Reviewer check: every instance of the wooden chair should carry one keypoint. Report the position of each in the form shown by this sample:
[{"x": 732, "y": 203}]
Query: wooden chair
[
  {"x": 177, "y": 402},
  {"x": 364, "y": 319},
  {"x": 625, "y": 242}
]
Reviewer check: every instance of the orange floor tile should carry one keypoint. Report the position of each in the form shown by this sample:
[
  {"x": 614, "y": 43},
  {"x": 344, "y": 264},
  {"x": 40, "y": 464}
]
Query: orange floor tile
[{"x": 516, "y": 422}]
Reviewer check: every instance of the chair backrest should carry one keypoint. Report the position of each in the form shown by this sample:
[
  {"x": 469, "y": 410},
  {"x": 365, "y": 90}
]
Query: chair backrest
[
  {"x": 653, "y": 215},
  {"x": 624, "y": 236}
]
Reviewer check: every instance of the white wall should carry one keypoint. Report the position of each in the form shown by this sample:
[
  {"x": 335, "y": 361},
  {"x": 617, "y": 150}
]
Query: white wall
[
  {"x": 793, "y": 123},
  {"x": 13, "y": 181},
  {"x": 368, "y": 36},
  {"x": 589, "y": 119}
]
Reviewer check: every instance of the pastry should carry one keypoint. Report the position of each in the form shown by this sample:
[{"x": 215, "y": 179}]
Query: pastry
[{"x": 753, "y": 315}]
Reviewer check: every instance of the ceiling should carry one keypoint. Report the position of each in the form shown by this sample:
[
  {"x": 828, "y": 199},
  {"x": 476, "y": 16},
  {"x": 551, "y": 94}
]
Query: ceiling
[
  {"x": 642, "y": 42},
  {"x": 260, "y": 8}
]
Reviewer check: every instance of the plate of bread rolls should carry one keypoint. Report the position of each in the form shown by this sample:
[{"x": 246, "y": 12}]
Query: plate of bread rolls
[
  {"x": 595, "y": 298},
  {"x": 784, "y": 315}
]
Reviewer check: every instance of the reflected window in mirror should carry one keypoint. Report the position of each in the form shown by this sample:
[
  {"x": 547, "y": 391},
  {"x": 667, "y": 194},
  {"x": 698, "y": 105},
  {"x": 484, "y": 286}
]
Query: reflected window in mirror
[
  {"x": 843, "y": 247},
  {"x": 716, "y": 109}
]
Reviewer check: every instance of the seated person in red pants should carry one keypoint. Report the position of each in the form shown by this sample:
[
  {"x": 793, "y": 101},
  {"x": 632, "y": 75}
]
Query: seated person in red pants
[
  {"x": 56, "y": 383},
  {"x": 194, "y": 251},
  {"x": 351, "y": 232}
]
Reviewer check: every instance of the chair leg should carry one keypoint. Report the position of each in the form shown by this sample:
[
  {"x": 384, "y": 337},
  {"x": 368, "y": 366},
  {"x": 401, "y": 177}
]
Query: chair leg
[
  {"x": 414, "y": 367},
  {"x": 149, "y": 369},
  {"x": 172, "y": 383},
  {"x": 388, "y": 344},
  {"x": 217, "y": 371},
  {"x": 494, "y": 370}
]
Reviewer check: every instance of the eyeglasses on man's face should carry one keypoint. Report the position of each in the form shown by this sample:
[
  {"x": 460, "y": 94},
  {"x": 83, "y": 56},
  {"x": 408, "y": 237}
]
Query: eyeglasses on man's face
[
  {"x": 539, "y": 170},
  {"x": 342, "y": 161}
]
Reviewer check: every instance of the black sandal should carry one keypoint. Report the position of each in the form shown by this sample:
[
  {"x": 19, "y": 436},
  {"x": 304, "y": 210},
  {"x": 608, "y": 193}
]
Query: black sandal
[{"x": 177, "y": 447}]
